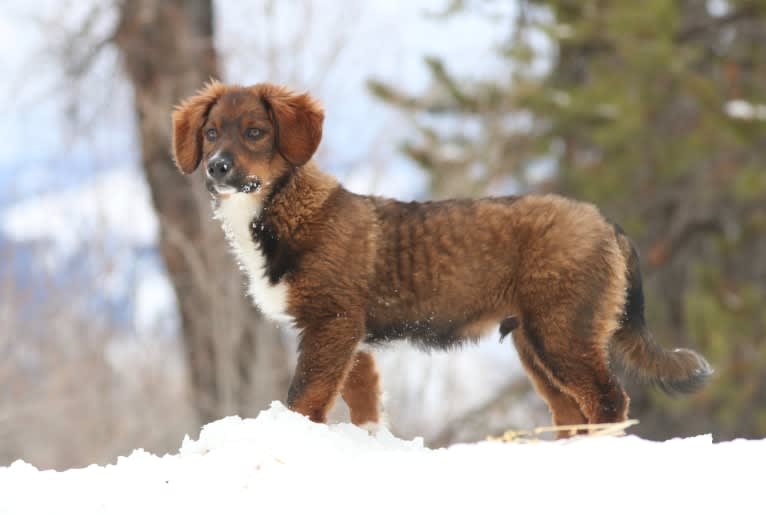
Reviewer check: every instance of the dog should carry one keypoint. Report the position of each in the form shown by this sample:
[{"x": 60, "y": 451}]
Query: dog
[{"x": 353, "y": 271}]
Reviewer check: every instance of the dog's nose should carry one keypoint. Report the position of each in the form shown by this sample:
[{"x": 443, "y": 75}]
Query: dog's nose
[{"x": 219, "y": 166}]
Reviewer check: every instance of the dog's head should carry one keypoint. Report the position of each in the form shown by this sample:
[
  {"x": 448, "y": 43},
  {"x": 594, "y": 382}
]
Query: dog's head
[{"x": 245, "y": 137}]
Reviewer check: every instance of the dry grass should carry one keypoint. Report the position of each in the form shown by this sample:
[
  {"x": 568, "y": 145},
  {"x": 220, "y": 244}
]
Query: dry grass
[{"x": 594, "y": 430}]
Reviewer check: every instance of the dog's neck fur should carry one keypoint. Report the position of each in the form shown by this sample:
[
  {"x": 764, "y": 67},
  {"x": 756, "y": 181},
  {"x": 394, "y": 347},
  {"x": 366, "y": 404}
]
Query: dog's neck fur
[{"x": 295, "y": 198}]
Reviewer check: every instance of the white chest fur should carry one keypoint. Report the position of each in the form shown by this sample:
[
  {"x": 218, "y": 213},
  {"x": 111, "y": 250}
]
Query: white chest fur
[{"x": 236, "y": 212}]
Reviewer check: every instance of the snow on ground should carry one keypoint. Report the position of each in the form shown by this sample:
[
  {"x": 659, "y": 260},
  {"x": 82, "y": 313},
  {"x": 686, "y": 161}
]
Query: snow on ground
[{"x": 280, "y": 462}]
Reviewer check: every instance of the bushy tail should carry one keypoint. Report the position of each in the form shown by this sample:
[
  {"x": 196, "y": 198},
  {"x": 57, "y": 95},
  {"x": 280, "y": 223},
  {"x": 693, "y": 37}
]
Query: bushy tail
[{"x": 675, "y": 371}]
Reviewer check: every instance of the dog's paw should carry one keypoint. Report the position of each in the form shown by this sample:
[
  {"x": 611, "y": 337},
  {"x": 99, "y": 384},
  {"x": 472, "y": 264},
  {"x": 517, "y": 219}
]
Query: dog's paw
[{"x": 372, "y": 427}]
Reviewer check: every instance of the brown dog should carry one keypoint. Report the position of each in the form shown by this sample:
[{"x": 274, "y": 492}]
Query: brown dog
[{"x": 348, "y": 269}]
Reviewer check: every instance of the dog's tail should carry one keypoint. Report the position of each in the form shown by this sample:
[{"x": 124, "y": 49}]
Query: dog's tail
[{"x": 675, "y": 371}]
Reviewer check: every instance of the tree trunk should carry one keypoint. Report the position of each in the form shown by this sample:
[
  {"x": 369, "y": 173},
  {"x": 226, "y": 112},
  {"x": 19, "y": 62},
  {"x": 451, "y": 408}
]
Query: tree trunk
[{"x": 236, "y": 360}]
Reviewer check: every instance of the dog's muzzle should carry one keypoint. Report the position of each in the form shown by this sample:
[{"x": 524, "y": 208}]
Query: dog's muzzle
[{"x": 223, "y": 179}]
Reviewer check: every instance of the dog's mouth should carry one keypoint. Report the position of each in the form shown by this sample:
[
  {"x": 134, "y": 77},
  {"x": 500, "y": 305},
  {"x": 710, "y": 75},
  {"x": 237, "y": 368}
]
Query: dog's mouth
[{"x": 251, "y": 185}]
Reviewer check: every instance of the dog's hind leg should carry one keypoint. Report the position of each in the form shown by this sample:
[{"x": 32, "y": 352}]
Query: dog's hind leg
[
  {"x": 580, "y": 368},
  {"x": 564, "y": 409}
]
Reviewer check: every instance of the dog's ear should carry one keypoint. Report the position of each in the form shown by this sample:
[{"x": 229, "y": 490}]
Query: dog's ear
[
  {"x": 297, "y": 120},
  {"x": 188, "y": 119}
]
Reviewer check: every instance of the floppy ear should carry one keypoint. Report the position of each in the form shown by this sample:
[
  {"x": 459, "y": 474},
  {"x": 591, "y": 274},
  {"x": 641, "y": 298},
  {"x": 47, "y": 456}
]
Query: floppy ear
[
  {"x": 188, "y": 119},
  {"x": 297, "y": 120}
]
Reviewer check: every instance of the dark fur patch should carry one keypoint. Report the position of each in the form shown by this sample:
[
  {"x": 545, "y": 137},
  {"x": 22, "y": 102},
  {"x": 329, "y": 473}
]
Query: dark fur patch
[
  {"x": 422, "y": 333},
  {"x": 633, "y": 313},
  {"x": 508, "y": 325},
  {"x": 281, "y": 259}
]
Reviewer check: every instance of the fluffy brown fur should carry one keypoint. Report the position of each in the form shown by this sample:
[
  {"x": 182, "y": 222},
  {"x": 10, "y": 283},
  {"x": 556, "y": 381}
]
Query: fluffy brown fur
[{"x": 348, "y": 269}]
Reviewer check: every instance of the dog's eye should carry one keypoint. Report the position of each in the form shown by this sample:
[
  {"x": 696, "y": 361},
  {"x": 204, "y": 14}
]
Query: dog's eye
[
  {"x": 253, "y": 133},
  {"x": 211, "y": 134}
]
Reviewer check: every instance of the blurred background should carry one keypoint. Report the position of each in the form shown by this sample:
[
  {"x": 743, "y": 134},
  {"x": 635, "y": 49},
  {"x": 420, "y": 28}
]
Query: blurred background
[{"x": 114, "y": 337}]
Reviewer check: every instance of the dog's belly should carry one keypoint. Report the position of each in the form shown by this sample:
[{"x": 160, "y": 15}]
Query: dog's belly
[
  {"x": 425, "y": 333},
  {"x": 236, "y": 213}
]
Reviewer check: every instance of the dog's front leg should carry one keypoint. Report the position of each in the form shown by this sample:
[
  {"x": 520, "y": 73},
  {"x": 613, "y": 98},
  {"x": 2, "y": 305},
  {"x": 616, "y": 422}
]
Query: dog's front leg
[{"x": 326, "y": 356}]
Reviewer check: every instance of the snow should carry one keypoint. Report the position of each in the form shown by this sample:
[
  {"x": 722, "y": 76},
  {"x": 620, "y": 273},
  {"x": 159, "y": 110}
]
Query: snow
[
  {"x": 280, "y": 462},
  {"x": 744, "y": 110}
]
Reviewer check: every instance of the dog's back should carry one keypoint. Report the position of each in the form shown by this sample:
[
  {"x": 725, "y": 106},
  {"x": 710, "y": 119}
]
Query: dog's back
[{"x": 446, "y": 271}]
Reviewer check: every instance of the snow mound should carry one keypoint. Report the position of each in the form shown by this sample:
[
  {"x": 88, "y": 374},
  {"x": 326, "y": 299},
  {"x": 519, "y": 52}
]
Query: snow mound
[{"x": 280, "y": 462}]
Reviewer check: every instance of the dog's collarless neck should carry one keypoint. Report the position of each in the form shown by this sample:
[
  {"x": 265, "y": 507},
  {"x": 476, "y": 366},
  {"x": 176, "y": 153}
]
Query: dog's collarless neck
[
  {"x": 297, "y": 196},
  {"x": 272, "y": 197},
  {"x": 280, "y": 184}
]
